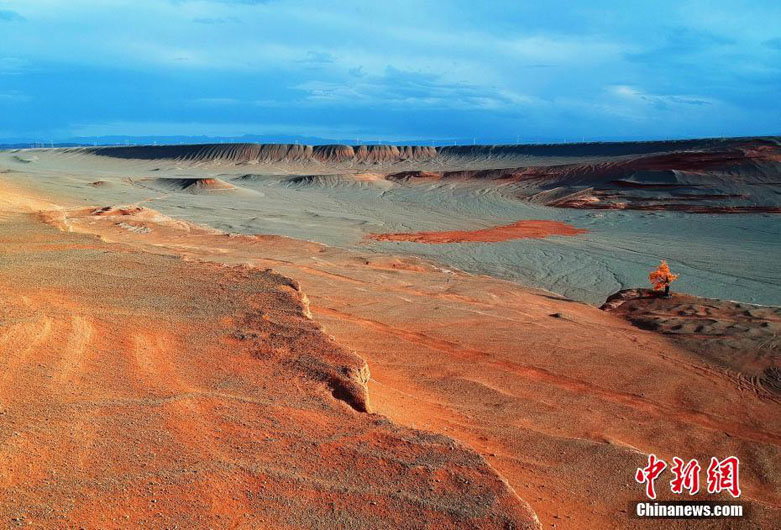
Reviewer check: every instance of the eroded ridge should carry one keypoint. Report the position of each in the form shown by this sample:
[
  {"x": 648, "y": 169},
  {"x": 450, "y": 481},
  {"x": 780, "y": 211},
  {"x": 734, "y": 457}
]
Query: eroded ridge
[{"x": 140, "y": 389}]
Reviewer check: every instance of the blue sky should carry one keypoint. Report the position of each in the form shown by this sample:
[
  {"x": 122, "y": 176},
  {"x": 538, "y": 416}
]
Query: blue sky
[{"x": 416, "y": 71}]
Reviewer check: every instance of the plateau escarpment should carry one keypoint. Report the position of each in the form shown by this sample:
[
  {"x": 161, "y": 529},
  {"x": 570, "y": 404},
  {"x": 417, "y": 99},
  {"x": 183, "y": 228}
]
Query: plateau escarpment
[
  {"x": 497, "y": 155},
  {"x": 269, "y": 153},
  {"x": 696, "y": 176},
  {"x": 737, "y": 177}
]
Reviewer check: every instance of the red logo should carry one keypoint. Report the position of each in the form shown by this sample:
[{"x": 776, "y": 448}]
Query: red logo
[
  {"x": 722, "y": 475},
  {"x": 649, "y": 474},
  {"x": 687, "y": 476}
]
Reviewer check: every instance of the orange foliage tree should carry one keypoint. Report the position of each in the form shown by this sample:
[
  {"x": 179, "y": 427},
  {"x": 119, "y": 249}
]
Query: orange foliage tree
[{"x": 661, "y": 277}]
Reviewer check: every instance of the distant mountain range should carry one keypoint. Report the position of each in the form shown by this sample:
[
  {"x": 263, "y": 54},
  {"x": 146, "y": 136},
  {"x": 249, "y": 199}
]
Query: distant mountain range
[{"x": 24, "y": 143}]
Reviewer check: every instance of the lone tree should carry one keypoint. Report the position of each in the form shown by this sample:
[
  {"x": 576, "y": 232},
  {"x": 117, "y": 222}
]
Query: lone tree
[{"x": 661, "y": 278}]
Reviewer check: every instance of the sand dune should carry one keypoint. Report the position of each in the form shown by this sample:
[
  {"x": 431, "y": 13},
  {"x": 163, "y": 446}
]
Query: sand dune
[
  {"x": 349, "y": 180},
  {"x": 188, "y": 184}
]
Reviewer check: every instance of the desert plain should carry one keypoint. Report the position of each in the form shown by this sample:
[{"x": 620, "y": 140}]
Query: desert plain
[{"x": 291, "y": 336}]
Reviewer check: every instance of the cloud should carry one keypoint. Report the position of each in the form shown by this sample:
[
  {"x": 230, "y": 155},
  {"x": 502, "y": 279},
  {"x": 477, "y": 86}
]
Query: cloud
[
  {"x": 679, "y": 42},
  {"x": 14, "y": 96},
  {"x": 773, "y": 43},
  {"x": 316, "y": 58},
  {"x": 444, "y": 67},
  {"x": 216, "y": 101},
  {"x": 6, "y": 15},
  {"x": 408, "y": 89},
  {"x": 247, "y": 2},
  {"x": 632, "y": 94},
  {"x": 356, "y": 72},
  {"x": 215, "y": 20},
  {"x": 240, "y": 2},
  {"x": 232, "y": 102},
  {"x": 13, "y": 65},
  {"x": 196, "y": 128}
]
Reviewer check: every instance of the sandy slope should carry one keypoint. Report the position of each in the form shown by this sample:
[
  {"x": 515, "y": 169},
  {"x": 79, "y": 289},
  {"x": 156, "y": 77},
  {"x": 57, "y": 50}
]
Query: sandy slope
[
  {"x": 140, "y": 390},
  {"x": 742, "y": 339},
  {"x": 562, "y": 399}
]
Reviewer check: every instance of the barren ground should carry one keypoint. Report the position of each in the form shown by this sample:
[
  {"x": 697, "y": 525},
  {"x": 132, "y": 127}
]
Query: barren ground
[
  {"x": 156, "y": 371},
  {"x": 147, "y": 391}
]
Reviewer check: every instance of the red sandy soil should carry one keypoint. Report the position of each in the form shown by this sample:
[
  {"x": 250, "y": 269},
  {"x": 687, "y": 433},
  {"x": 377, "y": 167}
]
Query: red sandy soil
[
  {"x": 742, "y": 339},
  {"x": 144, "y": 390},
  {"x": 594, "y": 201},
  {"x": 524, "y": 229},
  {"x": 565, "y": 401}
]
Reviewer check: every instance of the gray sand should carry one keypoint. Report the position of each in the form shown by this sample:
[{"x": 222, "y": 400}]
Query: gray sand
[{"x": 719, "y": 256}]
